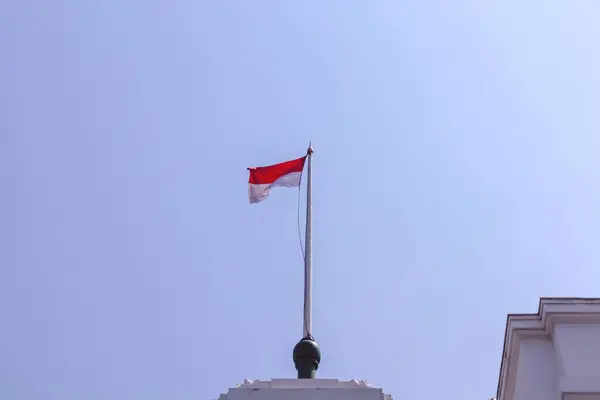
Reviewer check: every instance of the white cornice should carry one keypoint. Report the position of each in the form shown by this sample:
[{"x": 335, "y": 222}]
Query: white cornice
[
  {"x": 551, "y": 311},
  {"x": 305, "y": 384}
]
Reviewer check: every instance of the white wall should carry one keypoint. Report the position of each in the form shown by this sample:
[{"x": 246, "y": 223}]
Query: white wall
[
  {"x": 305, "y": 394},
  {"x": 537, "y": 371},
  {"x": 567, "y": 363},
  {"x": 578, "y": 352}
]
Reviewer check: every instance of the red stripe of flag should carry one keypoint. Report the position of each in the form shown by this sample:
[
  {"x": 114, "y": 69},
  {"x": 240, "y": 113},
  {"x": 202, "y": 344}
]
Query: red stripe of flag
[{"x": 269, "y": 174}]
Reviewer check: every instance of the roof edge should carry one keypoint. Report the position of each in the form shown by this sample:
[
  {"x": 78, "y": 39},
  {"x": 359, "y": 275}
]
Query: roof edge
[{"x": 551, "y": 310}]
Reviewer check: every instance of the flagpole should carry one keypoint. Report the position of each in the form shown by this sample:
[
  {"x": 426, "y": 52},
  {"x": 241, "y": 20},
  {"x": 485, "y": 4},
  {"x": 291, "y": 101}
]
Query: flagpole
[
  {"x": 307, "y": 354},
  {"x": 308, "y": 251}
]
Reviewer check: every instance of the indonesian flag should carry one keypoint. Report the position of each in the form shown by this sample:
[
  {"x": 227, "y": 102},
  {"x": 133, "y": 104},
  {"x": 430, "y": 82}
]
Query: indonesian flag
[{"x": 262, "y": 179}]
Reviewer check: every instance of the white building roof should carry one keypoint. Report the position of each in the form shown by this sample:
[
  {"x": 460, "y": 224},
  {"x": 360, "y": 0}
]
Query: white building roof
[{"x": 297, "y": 389}]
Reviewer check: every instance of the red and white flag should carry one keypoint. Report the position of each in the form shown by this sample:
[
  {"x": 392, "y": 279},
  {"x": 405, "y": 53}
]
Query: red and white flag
[{"x": 262, "y": 179}]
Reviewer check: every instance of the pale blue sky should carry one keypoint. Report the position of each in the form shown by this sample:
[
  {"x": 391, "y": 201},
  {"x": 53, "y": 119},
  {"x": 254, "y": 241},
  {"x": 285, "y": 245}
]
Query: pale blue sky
[{"x": 456, "y": 179}]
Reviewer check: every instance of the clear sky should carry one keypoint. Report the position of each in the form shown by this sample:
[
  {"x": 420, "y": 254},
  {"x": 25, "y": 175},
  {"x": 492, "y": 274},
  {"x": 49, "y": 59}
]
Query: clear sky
[{"x": 456, "y": 179}]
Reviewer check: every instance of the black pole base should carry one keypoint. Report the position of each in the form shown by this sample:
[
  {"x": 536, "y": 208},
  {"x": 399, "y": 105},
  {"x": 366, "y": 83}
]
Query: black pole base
[{"x": 307, "y": 357}]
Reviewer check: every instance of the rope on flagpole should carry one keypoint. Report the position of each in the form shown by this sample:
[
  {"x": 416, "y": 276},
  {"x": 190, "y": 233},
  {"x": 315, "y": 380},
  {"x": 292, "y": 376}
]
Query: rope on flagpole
[{"x": 299, "y": 233}]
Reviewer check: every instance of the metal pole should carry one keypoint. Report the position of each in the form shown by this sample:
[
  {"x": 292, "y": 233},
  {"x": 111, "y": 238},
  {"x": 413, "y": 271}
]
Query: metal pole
[
  {"x": 307, "y": 354},
  {"x": 308, "y": 251}
]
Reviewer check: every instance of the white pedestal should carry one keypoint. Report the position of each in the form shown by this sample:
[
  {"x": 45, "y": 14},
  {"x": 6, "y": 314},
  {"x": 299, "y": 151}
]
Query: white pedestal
[{"x": 305, "y": 389}]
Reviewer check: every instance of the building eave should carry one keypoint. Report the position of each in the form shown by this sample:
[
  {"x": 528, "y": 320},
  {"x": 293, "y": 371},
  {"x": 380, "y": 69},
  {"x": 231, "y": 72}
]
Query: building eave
[{"x": 551, "y": 310}]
